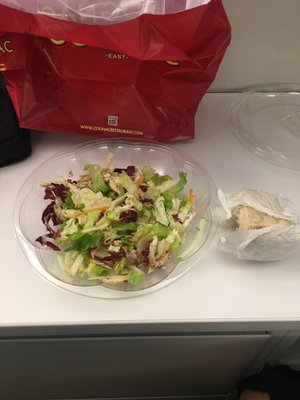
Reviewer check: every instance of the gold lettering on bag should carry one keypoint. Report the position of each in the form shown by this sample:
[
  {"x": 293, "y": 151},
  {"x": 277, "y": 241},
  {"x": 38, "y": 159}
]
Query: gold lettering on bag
[
  {"x": 79, "y": 44},
  {"x": 116, "y": 56},
  {"x": 58, "y": 42},
  {"x": 173, "y": 63},
  {"x": 110, "y": 55},
  {"x": 6, "y": 47}
]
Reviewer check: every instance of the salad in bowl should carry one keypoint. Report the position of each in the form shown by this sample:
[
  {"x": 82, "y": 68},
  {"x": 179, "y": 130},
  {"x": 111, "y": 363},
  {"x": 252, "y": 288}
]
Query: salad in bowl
[{"x": 113, "y": 215}]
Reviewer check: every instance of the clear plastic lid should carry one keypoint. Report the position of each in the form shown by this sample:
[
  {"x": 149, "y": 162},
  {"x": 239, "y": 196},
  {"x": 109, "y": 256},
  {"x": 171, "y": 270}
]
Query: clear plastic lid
[{"x": 266, "y": 120}]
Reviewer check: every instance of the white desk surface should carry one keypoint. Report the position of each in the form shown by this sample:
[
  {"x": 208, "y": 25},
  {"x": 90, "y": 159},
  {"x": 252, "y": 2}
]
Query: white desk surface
[{"x": 218, "y": 289}]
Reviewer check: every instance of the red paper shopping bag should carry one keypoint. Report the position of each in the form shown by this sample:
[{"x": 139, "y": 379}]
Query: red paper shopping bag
[{"x": 139, "y": 78}]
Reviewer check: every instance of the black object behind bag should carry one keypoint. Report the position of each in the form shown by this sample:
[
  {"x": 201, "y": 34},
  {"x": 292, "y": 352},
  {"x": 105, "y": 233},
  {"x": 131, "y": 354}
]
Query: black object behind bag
[{"x": 14, "y": 141}]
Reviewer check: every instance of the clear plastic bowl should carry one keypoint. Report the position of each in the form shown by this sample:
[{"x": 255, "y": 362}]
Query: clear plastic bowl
[
  {"x": 30, "y": 205},
  {"x": 266, "y": 120}
]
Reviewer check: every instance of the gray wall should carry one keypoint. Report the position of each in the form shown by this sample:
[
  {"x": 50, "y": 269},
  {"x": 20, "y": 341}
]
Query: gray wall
[{"x": 265, "y": 44}]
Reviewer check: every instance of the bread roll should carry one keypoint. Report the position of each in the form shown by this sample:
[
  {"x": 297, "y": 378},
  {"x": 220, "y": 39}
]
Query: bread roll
[{"x": 248, "y": 218}]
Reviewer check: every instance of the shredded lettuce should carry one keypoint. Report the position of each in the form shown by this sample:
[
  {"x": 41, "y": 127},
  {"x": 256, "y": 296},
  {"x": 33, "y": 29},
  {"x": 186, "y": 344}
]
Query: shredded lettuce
[
  {"x": 92, "y": 218},
  {"x": 86, "y": 198},
  {"x": 174, "y": 191},
  {"x": 127, "y": 227},
  {"x": 71, "y": 262},
  {"x": 68, "y": 202},
  {"x": 70, "y": 227},
  {"x": 160, "y": 212},
  {"x": 135, "y": 275},
  {"x": 94, "y": 269},
  {"x": 133, "y": 201},
  {"x": 148, "y": 173},
  {"x": 87, "y": 241},
  {"x": 160, "y": 179},
  {"x": 120, "y": 265},
  {"x": 173, "y": 240},
  {"x": 128, "y": 184},
  {"x": 146, "y": 232},
  {"x": 98, "y": 182}
]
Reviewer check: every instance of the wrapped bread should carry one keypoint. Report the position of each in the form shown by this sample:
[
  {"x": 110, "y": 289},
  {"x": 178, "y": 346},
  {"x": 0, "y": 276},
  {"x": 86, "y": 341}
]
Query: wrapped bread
[
  {"x": 256, "y": 225},
  {"x": 247, "y": 218}
]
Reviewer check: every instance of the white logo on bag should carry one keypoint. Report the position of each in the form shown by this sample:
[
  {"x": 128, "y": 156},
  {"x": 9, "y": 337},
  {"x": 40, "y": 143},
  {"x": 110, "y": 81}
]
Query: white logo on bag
[{"x": 112, "y": 120}]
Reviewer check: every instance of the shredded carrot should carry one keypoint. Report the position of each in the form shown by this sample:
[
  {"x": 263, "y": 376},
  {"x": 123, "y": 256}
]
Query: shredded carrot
[
  {"x": 192, "y": 196},
  {"x": 102, "y": 207},
  {"x": 139, "y": 180},
  {"x": 80, "y": 213}
]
